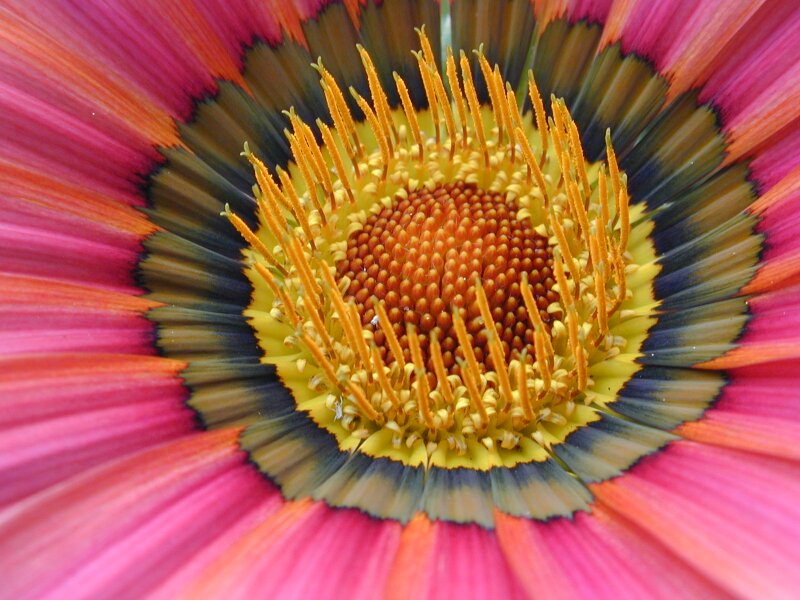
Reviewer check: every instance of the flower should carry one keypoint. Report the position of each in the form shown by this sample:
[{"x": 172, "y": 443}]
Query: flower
[{"x": 186, "y": 408}]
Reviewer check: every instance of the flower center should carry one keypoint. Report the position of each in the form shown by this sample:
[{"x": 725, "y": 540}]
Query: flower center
[
  {"x": 450, "y": 286},
  {"x": 421, "y": 257}
]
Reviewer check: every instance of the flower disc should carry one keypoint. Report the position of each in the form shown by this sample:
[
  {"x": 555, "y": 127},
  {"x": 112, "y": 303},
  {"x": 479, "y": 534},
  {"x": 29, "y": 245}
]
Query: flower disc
[{"x": 448, "y": 292}]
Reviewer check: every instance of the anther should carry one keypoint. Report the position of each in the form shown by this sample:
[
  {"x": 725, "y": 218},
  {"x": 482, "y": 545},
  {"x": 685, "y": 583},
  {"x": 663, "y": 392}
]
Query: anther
[
  {"x": 423, "y": 389},
  {"x": 455, "y": 89},
  {"x": 474, "y": 107},
  {"x": 253, "y": 239},
  {"x": 538, "y": 109},
  {"x": 522, "y": 388}
]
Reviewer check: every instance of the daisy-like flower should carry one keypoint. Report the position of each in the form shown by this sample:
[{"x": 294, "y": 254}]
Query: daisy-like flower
[{"x": 364, "y": 299}]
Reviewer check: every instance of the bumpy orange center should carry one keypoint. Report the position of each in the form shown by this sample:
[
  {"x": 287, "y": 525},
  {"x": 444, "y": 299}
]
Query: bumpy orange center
[{"x": 421, "y": 257}]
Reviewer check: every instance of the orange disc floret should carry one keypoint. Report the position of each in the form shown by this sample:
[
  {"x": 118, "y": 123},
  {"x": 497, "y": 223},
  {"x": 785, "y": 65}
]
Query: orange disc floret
[{"x": 421, "y": 256}]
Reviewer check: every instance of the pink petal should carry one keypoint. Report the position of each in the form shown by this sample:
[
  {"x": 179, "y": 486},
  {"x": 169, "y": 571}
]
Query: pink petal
[
  {"x": 447, "y": 560},
  {"x": 772, "y": 334},
  {"x": 733, "y": 516},
  {"x": 196, "y": 522},
  {"x": 305, "y": 550},
  {"x": 598, "y": 555},
  {"x": 45, "y": 315},
  {"x": 30, "y": 251},
  {"x": 757, "y": 412},
  {"x": 685, "y": 39},
  {"x": 48, "y": 537}
]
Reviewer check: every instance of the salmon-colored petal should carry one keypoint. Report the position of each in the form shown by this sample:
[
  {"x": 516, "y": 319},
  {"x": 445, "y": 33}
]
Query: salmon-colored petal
[
  {"x": 594, "y": 11},
  {"x": 742, "y": 55},
  {"x": 135, "y": 42}
]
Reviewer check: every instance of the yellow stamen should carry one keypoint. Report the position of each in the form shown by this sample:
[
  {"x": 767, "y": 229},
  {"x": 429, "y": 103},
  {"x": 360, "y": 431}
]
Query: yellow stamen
[
  {"x": 377, "y": 131},
  {"x": 515, "y": 120},
  {"x": 425, "y": 44},
  {"x": 391, "y": 338},
  {"x": 358, "y": 336},
  {"x": 379, "y": 100},
  {"x": 619, "y": 270},
  {"x": 533, "y": 312},
  {"x": 340, "y": 112},
  {"x": 297, "y": 209},
  {"x": 488, "y": 79},
  {"x": 352, "y": 334},
  {"x": 557, "y": 132},
  {"x": 300, "y": 263},
  {"x": 624, "y": 218},
  {"x": 411, "y": 113},
  {"x": 444, "y": 101},
  {"x": 303, "y": 162},
  {"x": 495, "y": 347},
  {"x": 577, "y": 156},
  {"x": 602, "y": 193},
  {"x": 362, "y": 402},
  {"x": 522, "y": 387},
  {"x": 253, "y": 239},
  {"x": 333, "y": 151},
  {"x": 266, "y": 182},
  {"x": 474, "y": 107},
  {"x": 265, "y": 207},
  {"x": 533, "y": 166},
  {"x": 582, "y": 362},
  {"x": 497, "y": 84},
  {"x": 470, "y": 369},
  {"x": 322, "y": 361},
  {"x": 599, "y": 285},
  {"x": 563, "y": 246},
  {"x": 563, "y": 286},
  {"x": 538, "y": 109},
  {"x": 274, "y": 199},
  {"x": 423, "y": 389},
  {"x": 279, "y": 293},
  {"x": 310, "y": 152},
  {"x": 441, "y": 374},
  {"x": 383, "y": 380},
  {"x": 455, "y": 91},
  {"x": 543, "y": 357},
  {"x": 613, "y": 170},
  {"x": 470, "y": 379},
  {"x": 430, "y": 93},
  {"x": 578, "y": 209}
]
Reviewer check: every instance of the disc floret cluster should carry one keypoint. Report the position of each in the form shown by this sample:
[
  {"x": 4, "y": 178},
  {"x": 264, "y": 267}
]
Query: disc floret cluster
[{"x": 447, "y": 277}]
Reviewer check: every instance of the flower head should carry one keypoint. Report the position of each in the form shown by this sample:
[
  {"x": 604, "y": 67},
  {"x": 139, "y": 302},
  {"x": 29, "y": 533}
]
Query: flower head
[{"x": 492, "y": 303}]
